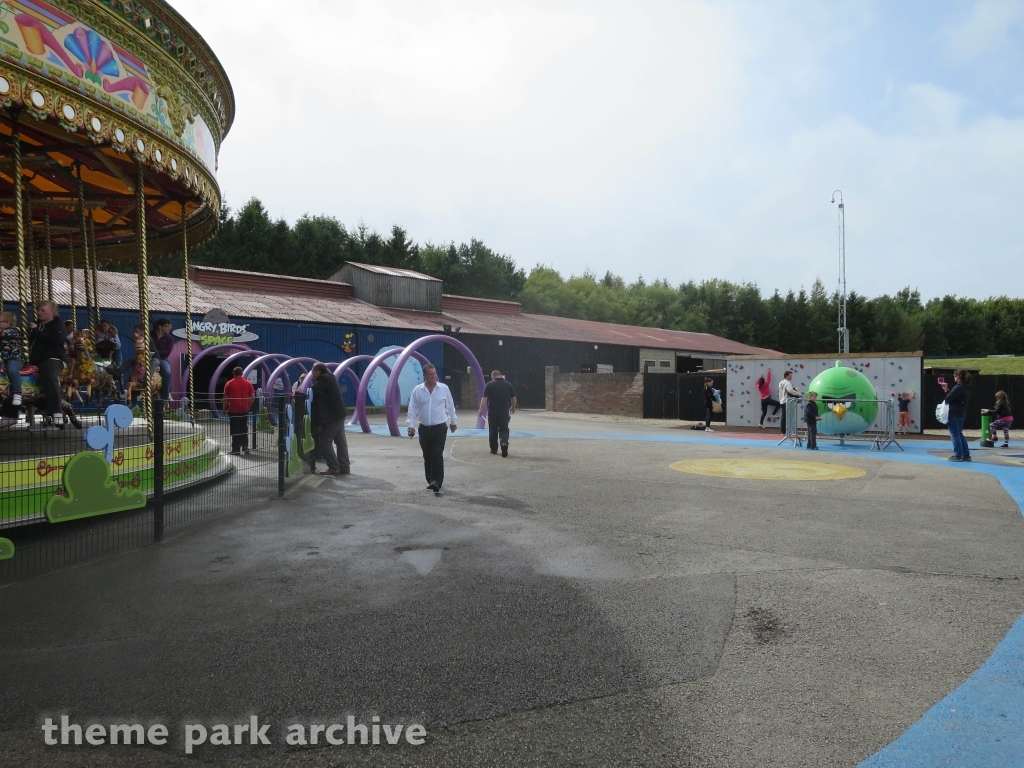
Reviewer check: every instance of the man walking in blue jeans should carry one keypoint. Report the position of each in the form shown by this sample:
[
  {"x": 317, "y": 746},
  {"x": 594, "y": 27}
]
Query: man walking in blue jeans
[{"x": 432, "y": 402}]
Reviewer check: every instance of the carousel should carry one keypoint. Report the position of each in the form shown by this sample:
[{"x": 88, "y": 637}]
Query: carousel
[{"x": 111, "y": 119}]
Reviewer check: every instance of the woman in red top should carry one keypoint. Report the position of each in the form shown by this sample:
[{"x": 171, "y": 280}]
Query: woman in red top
[
  {"x": 764, "y": 388},
  {"x": 238, "y": 397}
]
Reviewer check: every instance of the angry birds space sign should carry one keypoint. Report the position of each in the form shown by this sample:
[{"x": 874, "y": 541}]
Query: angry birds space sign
[{"x": 845, "y": 401}]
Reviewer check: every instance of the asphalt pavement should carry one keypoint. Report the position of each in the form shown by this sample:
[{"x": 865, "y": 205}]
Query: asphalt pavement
[{"x": 577, "y": 603}]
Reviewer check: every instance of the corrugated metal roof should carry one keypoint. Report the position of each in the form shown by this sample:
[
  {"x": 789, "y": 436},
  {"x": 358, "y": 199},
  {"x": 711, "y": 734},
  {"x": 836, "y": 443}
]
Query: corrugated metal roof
[
  {"x": 119, "y": 290},
  {"x": 392, "y": 271},
  {"x": 570, "y": 329}
]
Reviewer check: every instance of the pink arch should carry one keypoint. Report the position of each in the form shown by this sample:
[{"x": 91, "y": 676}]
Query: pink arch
[{"x": 392, "y": 400}]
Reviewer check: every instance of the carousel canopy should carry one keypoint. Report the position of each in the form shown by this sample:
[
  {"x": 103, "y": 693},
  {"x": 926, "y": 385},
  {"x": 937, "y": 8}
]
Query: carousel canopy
[{"x": 103, "y": 93}]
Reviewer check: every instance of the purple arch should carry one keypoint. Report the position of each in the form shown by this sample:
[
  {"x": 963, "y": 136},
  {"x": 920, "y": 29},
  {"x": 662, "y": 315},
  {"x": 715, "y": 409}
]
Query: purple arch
[
  {"x": 212, "y": 391},
  {"x": 341, "y": 370},
  {"x": 183, "y": 381},
  {"x": 262, "y": 361},
  {"x": 364, "y": 384},
  {"x": 392, "y": 400},
  {"x": 287, "y": 364}
]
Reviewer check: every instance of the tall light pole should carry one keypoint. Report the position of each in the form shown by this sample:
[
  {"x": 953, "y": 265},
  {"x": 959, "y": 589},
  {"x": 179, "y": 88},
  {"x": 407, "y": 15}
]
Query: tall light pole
[{"x": 844, "y": 332}]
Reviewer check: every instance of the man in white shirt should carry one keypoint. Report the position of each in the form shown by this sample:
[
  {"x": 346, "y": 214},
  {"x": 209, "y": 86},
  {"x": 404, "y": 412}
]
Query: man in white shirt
[
  {"x": 432, "y": 402},
  {"x": 786, "y": 391}
]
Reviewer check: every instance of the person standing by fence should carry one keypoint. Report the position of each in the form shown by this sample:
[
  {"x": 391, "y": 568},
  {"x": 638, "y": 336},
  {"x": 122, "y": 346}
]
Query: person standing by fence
[
  {"x": 786, "y": 391},
  {"x": 328, "y": 421},
  {"x": 812, "y": 418},
  {"x": 238, "y": 399},
  {"x": 957, "y": 399}
]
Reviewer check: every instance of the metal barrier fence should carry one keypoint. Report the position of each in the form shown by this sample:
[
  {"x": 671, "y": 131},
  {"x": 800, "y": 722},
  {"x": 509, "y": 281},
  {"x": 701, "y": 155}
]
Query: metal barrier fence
[
  {"x": 135, "y": 481},
  {"x": 881, "y": 433}
]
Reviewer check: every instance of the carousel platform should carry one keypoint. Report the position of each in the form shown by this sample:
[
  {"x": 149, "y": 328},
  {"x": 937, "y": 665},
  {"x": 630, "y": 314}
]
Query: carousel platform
[{"x": 32, "y": 460}]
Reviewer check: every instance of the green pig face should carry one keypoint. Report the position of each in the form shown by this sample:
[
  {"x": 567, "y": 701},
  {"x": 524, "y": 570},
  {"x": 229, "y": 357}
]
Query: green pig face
[{"x": 842, "y": 393}]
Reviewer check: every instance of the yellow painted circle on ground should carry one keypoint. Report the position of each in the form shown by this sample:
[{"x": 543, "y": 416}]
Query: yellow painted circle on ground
[{"x": 768, "y": 469}]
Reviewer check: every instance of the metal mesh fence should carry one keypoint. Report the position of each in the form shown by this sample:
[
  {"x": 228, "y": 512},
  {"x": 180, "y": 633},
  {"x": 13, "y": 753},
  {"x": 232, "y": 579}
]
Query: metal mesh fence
[
  {"x": 881, "y": 432},
  {"x": 64, "y": 498}
]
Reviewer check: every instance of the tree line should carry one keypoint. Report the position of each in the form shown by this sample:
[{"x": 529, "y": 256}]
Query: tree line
[{"x": 799, "y": 322}]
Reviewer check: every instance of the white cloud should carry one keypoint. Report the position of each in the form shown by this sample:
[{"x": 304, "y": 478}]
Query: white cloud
[
  {"x": 673, "y": 139},
  {"x": 986, "y": 30}
]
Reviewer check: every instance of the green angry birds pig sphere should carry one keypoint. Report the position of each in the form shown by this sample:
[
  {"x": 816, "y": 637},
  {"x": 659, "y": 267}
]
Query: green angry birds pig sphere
[{"x": 842, "y": 393}]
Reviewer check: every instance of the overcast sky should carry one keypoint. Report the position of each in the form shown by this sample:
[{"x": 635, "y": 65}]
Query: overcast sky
[{"x": 678, "y": 140}]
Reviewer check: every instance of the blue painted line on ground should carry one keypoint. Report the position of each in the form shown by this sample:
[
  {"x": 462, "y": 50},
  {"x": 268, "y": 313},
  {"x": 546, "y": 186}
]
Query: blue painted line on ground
[{"x": 981, "y": 723}]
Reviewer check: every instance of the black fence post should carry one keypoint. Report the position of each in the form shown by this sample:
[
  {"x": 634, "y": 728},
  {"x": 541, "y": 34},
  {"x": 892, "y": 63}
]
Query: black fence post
[
  {"x": 158, "y": 469},
  {"x": 282, "y": 452}
]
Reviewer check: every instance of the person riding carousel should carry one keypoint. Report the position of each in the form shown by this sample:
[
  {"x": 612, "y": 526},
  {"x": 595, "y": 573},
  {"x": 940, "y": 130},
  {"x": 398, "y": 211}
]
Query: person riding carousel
[{"x": 46, "y": 352}]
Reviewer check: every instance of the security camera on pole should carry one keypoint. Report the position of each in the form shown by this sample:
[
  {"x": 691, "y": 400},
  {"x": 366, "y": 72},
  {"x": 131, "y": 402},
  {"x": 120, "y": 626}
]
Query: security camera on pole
[{"x": 844, "y": 332}]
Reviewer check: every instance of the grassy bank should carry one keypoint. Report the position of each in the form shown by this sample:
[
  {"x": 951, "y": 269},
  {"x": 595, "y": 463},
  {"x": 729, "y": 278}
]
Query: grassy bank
[{"x": 987, "y": 365}]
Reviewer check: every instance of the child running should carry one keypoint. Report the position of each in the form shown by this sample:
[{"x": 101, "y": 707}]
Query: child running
[{"x": 1003, "y": 419}]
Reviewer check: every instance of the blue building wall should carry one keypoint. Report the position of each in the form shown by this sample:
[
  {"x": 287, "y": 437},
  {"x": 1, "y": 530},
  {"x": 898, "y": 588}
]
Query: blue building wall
[{"x": 317, "y": 340}]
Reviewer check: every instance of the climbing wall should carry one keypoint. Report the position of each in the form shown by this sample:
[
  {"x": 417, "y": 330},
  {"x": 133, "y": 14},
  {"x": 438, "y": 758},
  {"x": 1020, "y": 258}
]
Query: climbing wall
[{"x": 887, "y": 374}]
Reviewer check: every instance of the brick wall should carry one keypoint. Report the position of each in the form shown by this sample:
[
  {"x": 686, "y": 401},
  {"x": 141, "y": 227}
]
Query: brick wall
[{"x": 620, "y": 394}]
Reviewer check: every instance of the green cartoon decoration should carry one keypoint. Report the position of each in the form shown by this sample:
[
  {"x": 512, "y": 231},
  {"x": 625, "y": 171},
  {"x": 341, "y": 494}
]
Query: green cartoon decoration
[
  {"x": 844, "y": 401},
  {"x": 294, "y": 466},
  {"x": 6, "y": 549},
  {"x": 308, "y": 443},
  {"x": 263, "y": 424},
  {"x": 90, "y": 491}
]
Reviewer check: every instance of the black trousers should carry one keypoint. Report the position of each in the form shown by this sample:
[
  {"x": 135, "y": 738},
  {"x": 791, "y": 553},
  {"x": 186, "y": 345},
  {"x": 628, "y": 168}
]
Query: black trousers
[
  {"x": 497, "y": 426},
  {"x": 432, "y": 444},
  {"x": 812, "y": 435},
  {"x": 239, "y": 431},
  {"x": 333, "y": 445},
  {"x": 782, "y": 420},
  {"x": 765, "y": 402},
  {"x": 49, "y": 382}
]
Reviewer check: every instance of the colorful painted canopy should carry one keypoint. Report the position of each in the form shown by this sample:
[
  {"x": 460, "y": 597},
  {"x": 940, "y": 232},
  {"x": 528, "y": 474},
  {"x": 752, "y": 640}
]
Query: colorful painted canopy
[{"x": 95, "y": 87}]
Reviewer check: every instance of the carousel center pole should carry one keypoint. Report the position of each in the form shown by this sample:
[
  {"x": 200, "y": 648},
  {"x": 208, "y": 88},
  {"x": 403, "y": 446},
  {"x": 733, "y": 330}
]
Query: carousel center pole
[
  {"x": 49, "y": 254},
  {"x": 71, "y": 282},
  {"x": 95, "y": 279},
  {"x": 188, "y": 318},
  {"x": 85, "y": 248},
  {"x": 19, "y": 232},
  {"x": 143, "y": 267}
]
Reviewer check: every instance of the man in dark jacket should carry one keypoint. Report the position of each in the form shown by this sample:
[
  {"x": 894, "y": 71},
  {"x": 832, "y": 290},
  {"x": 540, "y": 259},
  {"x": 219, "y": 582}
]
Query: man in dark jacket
[
  {"x": 498, "y": 403},
  {"x": 328, "y": 420}
]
